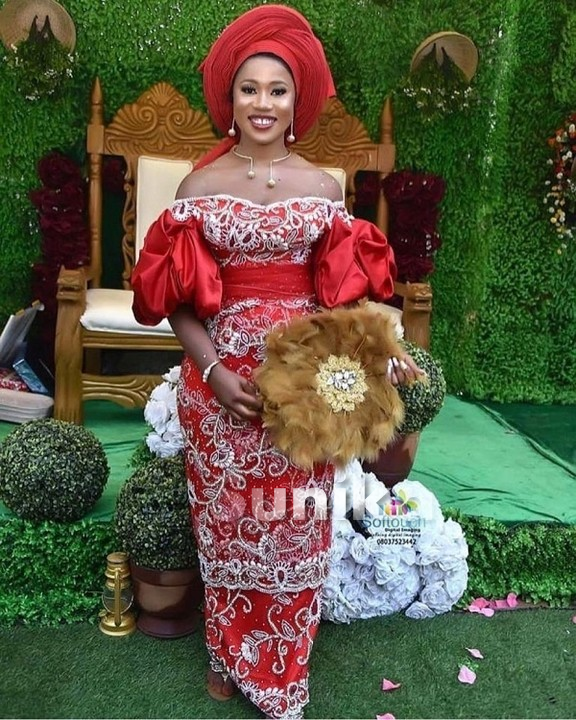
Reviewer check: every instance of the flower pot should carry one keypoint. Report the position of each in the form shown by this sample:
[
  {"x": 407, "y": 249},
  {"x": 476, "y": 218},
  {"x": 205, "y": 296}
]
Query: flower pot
[
  {"x": 168, "y": 600},
  {"x": 395, "y": 462}
]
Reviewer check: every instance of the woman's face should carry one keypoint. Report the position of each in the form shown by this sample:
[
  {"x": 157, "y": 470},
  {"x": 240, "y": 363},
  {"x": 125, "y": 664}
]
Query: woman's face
[{"x": 263, "y": 96}]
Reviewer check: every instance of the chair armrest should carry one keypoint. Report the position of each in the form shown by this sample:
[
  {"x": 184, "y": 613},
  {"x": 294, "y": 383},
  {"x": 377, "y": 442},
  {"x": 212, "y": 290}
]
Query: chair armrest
[
  {"x": 72, "y": 284},
  {"x": 416, "y": 311}
]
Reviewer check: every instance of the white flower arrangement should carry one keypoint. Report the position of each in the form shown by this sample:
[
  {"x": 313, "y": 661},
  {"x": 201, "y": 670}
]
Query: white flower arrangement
[
  {"x": 407, "y": 557},
  {"x": 161, "y": 414}
]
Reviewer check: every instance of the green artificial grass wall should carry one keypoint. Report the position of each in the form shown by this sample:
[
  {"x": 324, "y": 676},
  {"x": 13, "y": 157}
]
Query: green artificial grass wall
[{"x": 504, "y": 302}]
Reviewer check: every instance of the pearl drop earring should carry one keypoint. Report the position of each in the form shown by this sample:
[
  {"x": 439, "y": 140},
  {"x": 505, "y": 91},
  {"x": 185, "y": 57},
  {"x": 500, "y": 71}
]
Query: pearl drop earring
[
  {"x": 291, "y": 137},
  {"x": 232, "y": 131}
]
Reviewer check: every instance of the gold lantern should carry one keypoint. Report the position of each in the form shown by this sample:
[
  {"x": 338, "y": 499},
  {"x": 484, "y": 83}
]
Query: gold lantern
[{"x": 117, "y": 597}]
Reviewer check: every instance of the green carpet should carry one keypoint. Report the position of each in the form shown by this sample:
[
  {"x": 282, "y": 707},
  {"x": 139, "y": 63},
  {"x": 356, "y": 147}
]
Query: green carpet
[
  {"x": 528, "y": 671},
  {"x": 474, "y": 460},
  {"x": 549, "y": 426},
  {"x": 513, "y": 463}
]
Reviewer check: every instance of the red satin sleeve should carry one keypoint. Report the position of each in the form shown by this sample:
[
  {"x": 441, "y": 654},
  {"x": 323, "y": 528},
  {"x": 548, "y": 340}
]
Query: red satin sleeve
[
  {"x": 353, "y": 261},
  {"x": 175, "y": 267}
]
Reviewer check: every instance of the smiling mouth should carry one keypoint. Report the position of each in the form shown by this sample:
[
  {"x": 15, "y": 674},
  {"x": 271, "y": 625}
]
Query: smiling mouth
[{"x": 262, "y": 122}]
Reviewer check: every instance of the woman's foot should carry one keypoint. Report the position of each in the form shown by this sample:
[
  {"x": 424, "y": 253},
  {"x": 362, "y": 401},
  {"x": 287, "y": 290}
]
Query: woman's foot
[{"x": 220, "y": 686}]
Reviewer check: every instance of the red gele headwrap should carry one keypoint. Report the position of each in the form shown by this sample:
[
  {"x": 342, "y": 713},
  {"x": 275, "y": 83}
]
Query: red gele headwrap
[{"x": 283, "y": 32}]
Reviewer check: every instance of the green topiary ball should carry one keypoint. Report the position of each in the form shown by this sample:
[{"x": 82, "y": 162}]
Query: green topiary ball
[
  {"x": 422, "y": 400},
  {"x": 52, "y": 470},
  {"x": 152, "y": 518}
]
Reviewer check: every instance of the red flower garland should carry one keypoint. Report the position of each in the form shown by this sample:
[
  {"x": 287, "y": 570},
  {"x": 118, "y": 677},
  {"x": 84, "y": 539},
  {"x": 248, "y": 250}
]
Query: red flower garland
[
  {"x": 65, "y": 239},
  {"x": 413, "y": 199}
]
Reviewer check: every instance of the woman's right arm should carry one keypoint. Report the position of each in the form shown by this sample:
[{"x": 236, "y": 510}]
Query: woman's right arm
[{"x": 234, "y": 392}]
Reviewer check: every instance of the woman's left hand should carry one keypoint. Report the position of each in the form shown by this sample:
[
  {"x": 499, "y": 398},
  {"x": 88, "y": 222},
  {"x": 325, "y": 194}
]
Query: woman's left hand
[{"x": 403, "y": 370}]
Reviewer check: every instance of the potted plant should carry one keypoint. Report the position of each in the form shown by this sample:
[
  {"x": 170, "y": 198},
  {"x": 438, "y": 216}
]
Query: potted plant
[
  {"x": 152, "y": 523},
  {"x": 422, "y": 402}
]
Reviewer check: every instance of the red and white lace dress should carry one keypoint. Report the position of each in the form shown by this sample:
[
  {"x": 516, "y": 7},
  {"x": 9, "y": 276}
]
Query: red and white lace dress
[{"x": 246, "y": 269}]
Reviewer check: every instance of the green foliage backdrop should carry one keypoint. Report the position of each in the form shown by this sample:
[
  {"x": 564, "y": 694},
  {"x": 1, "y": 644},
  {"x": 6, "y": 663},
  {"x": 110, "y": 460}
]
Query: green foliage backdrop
[{"x": 504, "y": 309}]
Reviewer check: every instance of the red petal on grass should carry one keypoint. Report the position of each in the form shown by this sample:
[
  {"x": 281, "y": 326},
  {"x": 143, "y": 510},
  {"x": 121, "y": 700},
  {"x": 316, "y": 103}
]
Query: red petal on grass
[
  {"x": 386, "y": 716},
  {"x": 475, "y": 653},
  {"x": 488, "y": 612},
  {"x": 512, "y": 600},
  {"x": 389, "y": 685},
  {"x": 466, "y": 675},
  {"x": 501, "y": 604}
]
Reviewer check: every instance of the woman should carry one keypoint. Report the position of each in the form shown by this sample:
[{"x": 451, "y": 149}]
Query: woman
[{"x": 236, "y": 256}]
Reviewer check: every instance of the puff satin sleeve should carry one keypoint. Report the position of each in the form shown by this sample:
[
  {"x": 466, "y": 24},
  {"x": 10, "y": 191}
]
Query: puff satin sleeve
[
  {"x": 175, "y": 267},
  {"x": 353, "y": 261}
]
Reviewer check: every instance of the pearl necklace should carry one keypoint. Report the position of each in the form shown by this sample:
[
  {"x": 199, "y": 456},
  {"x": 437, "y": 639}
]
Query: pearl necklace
[{"x": 251, "y": 174}]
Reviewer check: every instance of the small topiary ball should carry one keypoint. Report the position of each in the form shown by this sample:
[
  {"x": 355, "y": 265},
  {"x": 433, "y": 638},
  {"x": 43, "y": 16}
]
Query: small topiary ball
[
  {"x": 423, "y": 399},
  {"x": 52, "y": 470},
  {"x": 152, "y": 518}
]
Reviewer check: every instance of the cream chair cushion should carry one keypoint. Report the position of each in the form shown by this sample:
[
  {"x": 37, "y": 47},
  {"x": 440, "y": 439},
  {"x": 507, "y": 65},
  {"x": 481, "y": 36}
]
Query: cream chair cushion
[
  {"x": 110, "y": 310},
  {"x": 107, "y": 310},
  {"x": 338, "y": 174},
  {"x": 157, "y": 182}
]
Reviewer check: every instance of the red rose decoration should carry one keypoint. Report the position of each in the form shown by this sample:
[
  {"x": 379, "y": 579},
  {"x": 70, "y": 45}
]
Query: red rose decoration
[
  {"x": 65, "y": 240},
  {"x": 413, "y": 200},
  {"x": 56, "y": 170}
]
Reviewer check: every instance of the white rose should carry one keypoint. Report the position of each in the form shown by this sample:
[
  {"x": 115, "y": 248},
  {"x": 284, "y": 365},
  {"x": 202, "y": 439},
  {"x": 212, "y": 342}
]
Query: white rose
[
  {"x": 435, "y": 547},
  {"x": 388, "y": 565},
  {"x": 364, "y": 573},
  {"x": 353, "y": 591},
  {"x": 418, "y": 611},
  {"x": 153, "y": 441},
  {"x": 427, "y": 506},
  {"x": 344, "y": 569},
  {"x": 163, "y": 392},
  {"x": 378, "y": 602},
  {"x": 431, "y": 574},
  {"x": 359, "y": 550},
  {"x": 169, "y": 446},
  {"x": 331, "y": 588},
  {"x": 157, "y": 414},
  {"x": 336, "y": 612},
  {"x": 445, "y": 550},
  {"x": 436, "y": 597},
  {"x": 173, "y": 375},
  {"x": 339, "y": 548},
  {"x": 173, "y": 433},
  {"x": 456, "y": 581}
]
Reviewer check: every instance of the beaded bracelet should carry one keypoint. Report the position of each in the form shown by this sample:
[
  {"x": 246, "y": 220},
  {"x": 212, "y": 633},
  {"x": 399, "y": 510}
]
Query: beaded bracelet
[{"x": 208, "y": 370}]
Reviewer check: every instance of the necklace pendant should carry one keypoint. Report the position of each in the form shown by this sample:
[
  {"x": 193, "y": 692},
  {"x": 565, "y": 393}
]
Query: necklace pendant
[
  {"x": 271, "y": 183},
  {"x": 251, "y": 174}
]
